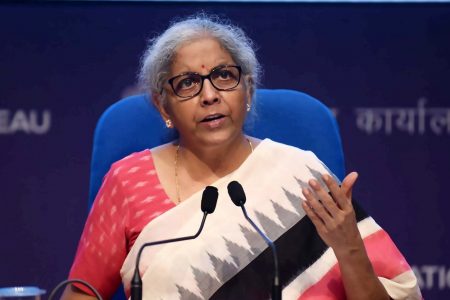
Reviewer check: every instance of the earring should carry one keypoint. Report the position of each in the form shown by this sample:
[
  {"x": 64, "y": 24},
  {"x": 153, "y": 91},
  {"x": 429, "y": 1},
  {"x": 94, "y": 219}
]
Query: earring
[
  {"x": 169, "y": 123},
  {"x": 248, "y": 107}
]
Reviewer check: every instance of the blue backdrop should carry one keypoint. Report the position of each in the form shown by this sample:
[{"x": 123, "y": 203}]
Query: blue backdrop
[{"x": 383, "y": 68}]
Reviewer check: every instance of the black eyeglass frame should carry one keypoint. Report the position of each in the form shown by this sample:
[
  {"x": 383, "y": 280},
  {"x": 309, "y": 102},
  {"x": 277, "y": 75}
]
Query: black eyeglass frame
[{"x": 203, "y": 77}]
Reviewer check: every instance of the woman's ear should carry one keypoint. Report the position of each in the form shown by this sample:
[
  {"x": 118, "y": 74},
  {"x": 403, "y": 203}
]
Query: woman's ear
[
  {"x": 160, "y": 105},
  {"x": 250, "y": 88}
]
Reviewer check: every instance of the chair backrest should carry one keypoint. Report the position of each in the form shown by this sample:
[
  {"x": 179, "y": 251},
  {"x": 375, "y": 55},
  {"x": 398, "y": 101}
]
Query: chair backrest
[{"x": 133, "y": 124}]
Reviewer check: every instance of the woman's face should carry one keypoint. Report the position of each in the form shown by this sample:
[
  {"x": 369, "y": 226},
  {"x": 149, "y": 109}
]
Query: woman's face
[{"x": 212, "y": 117}]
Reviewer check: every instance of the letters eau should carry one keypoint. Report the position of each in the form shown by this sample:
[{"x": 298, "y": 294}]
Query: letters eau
[{"x": 30, "y": 122}]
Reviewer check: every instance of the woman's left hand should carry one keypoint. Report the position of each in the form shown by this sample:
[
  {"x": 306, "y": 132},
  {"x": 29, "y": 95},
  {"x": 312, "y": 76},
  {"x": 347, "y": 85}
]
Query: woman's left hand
[{"x": 334, "y": 216}]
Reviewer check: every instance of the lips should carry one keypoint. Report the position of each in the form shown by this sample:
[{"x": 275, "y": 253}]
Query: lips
[{"x": 212, "y": 117}]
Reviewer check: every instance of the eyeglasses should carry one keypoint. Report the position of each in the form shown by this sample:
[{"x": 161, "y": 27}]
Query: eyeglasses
[{"x": 223, "y": 78}]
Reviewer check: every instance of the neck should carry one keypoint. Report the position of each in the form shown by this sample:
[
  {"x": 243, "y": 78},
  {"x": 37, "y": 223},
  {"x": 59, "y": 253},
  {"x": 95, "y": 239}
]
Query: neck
[{"x": 213, "y": 159}]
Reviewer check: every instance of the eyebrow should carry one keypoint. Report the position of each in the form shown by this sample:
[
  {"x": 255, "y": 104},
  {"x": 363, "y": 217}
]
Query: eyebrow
[{"x": 197, "y": 73}]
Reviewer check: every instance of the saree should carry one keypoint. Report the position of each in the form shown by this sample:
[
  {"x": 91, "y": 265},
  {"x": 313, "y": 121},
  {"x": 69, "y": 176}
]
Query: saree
[{"x": 229, "y": 260}]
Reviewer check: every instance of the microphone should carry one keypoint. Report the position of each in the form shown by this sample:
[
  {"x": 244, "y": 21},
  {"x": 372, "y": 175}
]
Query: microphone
[
  {"x": 208, "y": 205},
  {"x": 237, "y": 195}
]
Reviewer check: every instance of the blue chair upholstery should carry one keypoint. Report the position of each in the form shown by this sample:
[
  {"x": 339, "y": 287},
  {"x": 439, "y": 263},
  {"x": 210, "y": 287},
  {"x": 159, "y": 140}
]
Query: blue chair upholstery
[
  {"x": 133, "y": 124},
  {"x": 286, "y": 116}
]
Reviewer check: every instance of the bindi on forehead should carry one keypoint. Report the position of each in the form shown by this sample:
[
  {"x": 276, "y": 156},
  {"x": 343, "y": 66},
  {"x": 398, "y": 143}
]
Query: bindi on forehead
[{"x": 203, "y": 66}]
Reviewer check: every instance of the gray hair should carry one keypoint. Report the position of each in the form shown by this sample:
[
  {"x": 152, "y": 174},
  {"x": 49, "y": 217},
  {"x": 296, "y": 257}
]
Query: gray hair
[{"x": 157, "y": 59}]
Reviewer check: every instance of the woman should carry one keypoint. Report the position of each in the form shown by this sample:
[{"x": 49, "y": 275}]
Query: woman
[{"x": 202, "y": 75}]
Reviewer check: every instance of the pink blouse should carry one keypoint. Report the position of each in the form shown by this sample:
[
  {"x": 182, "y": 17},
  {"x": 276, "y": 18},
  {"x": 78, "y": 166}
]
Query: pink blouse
[{"x": 130, "y": 197}]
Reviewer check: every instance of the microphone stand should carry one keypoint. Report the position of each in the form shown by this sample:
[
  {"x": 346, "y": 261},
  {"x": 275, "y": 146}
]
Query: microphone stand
[
  {"x": 237, "y": 195},
  {"x": 209, "y": 201},
  {"x": 136, "y": 281},
  {"x": 276, "y": 288}
]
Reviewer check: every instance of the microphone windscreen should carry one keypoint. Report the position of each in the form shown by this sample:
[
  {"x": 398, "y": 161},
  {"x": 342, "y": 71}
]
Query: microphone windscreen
[
  {"x": 236, "y": 193},
  {"x": 209, "y": 199}
]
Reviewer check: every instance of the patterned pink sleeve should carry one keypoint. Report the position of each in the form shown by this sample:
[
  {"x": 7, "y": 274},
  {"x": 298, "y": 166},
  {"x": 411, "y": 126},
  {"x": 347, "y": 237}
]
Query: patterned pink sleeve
[
  {"x": 103, "y": 245},
  {"x": 130, "y": 197}
]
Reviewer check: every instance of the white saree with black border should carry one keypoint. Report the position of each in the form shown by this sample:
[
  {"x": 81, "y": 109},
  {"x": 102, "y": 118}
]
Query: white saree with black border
[{"x": 229, "y": 260}]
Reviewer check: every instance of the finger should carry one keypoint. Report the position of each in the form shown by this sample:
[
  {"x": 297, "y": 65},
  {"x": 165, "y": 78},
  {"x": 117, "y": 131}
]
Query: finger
[
  {"x": 325, "y": 199},
  {"x": 318, "y": 223},
  {"x": 336, "y": 191},
  {"x": 348, "y": 183},
  {"x": 318, "y": 208}
]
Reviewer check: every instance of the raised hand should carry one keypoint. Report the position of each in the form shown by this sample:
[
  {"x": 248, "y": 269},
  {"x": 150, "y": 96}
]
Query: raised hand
[{"x": 333, "y": 215}]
